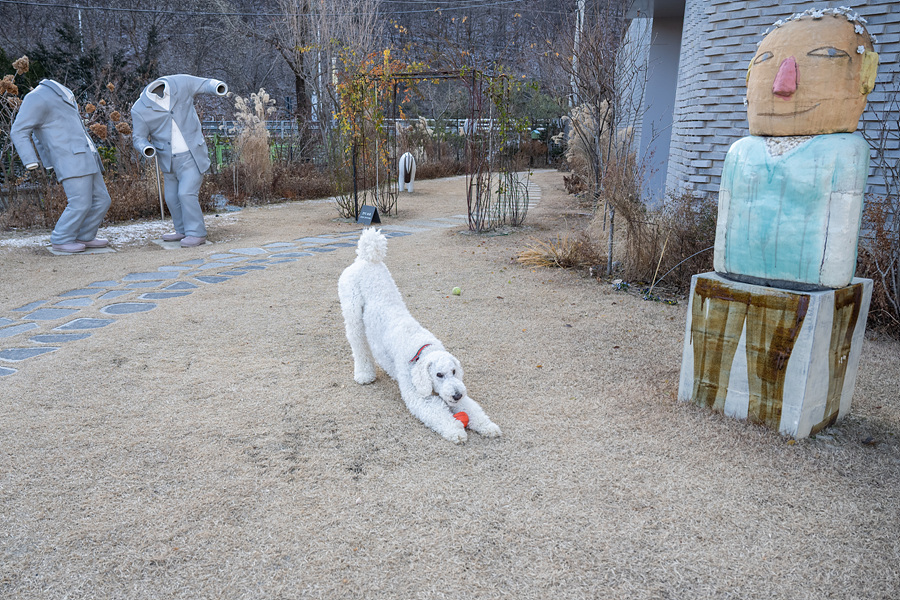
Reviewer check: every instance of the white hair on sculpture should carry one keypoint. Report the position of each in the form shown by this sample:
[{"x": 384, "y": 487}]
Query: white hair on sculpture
[{"x": 818, "y": 13}]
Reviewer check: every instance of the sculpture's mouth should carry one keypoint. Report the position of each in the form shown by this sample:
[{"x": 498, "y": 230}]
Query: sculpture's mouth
[{"x": 789, "y": 114}]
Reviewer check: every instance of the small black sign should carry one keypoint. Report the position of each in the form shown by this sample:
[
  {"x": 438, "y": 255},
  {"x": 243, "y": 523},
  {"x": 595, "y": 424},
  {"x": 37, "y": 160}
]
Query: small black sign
[{"x": 368, "y": 215}]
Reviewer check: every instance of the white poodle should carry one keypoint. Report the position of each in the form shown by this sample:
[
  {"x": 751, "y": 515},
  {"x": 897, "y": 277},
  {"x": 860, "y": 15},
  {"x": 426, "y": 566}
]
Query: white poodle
[{"x": 381, "y": 330}]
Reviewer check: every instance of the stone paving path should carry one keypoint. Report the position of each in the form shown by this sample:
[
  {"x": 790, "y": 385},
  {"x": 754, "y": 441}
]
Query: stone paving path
[{"x": 47, "y": 325}]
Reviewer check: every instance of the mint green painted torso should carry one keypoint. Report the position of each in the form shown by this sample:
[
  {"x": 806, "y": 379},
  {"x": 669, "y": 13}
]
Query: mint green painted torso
[{"x": 779, "y": 206}]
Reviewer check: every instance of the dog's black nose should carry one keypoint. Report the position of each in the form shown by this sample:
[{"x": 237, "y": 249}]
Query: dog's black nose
[{"x": 457, "y": 396}]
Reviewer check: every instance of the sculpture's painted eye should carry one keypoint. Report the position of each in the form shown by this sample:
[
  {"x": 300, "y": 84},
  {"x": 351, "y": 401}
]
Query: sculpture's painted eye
[
  {"x": 762, "y": 58},
  {"x": 454, "y": 371},
  {"x": 440, "y": 375},
  {"x": 828, "y": 52}
]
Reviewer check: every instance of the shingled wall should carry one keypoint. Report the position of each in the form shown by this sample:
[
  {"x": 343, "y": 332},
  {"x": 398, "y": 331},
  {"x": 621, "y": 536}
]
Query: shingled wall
[{"x": 719, "y": 39}]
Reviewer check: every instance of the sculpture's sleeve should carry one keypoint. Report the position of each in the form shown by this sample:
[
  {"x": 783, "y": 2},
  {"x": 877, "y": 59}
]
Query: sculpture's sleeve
[
  {"x": 214, "y": 86},
  {"x": 726, "y": 189},
  {"x": 29, "y": 118},
  {"x": 192, "y": 86},
  {"x": 140, "y": 134},
  {"x": 845, "y": 207}
]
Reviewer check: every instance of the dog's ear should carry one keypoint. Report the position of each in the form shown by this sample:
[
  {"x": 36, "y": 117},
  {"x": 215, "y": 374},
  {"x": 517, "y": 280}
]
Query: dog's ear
[
  {"x": 459, "y": 369},
  {"x": 420, "y": 378}
]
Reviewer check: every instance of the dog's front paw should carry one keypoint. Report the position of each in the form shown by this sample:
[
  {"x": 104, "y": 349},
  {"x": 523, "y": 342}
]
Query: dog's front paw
[
  {"x": 489, "y": 429},
  {"x": 364, "y": 377},
  {"x": 457, "y": 435}
]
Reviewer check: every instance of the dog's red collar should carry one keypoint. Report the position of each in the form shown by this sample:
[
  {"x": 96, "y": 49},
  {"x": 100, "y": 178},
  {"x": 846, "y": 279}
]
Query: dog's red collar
[{"x": 419, "y": 354}]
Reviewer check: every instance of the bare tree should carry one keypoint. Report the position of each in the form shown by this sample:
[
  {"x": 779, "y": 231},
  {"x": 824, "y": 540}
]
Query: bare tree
[
  {"x": 606, "y": 64},
  {"x": 308, "y": 35}
]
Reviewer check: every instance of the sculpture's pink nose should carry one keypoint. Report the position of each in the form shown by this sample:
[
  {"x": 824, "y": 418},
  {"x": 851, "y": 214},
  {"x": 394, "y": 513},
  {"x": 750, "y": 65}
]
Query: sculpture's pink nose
[{"x": 786, "y": 80}]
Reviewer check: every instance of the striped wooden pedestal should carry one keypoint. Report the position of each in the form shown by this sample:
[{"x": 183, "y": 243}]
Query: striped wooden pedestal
[{"x": 782, "y": 358}]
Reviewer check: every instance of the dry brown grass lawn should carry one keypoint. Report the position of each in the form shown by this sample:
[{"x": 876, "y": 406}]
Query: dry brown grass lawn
[{"x": 217, "y": 446}]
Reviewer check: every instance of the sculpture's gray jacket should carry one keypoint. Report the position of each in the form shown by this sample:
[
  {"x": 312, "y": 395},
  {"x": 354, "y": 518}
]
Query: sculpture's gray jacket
[
  {"x": 51, "y": 120},
  {"x": 152, "y": 125}
]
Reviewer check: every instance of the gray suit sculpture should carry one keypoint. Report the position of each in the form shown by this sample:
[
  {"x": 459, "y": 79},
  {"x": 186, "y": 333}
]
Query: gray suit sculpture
[
  {"x": 166, "y": 125},
  {"x": 49, "y": 118}
]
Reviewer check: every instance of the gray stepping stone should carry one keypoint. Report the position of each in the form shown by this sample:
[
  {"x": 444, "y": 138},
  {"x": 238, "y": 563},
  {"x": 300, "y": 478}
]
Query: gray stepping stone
[
  {"x": 17, "y": 329},
  {"x": 18, "y": 354},
  {"x": 103, "y": 284},
  {"x": 210, "y": 279},
  {"x": 162, "y": 295},
  {"x": 4, "y": 371},
  {"x": 127, "y": 308},
  {"x": 173, "y": 245},
  {"x": 323, "y": 249},
  {"x": 233, "y": 273},
  {"x": 143, "y": 284},
  {"x": 284, "y": 260},
  {"x": 253, "y": 268},
  {"x": 181, "y": 285},
  {"x": 174, "y": 268},
  {"x": 195, "y": 261},
  {"x": 248, "y": 251},
  {"x": 393, "y": 234},
  {"x": 344, "y": 245},
  {"x": 291, "y": 254},
  {"x": 220, "y": 256},
  {"x": 279, "y": 245},
  {"x": 148, "y": 276},
  {"x": 78, "y": 293},
  {"x": 83, "y": 252},
  {"x": 49, "y": 314},
  {"x": 214, "y": 265},
  {"x": 84, "y": 323},
  {"x": 59, "y": 338},
  {"x": 259, "y": 261},
  {"x": 5, "y": 321},
  {"x": 74, "y": 303},
  {"x": 114, "y": 294},
  {"x": 315, "y": 240}
]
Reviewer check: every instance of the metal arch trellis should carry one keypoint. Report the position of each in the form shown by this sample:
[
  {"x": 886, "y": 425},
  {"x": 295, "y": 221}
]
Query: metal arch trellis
[
  {"x": 496, "y": 195},
  {"x": 373, "y": 160}
]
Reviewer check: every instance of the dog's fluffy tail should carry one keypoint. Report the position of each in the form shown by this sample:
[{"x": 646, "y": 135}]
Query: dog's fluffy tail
[{"x": 372, "y": 246}]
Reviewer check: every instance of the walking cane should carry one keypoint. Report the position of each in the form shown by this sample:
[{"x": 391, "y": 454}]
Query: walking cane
[{"x": 162, "y": 214}]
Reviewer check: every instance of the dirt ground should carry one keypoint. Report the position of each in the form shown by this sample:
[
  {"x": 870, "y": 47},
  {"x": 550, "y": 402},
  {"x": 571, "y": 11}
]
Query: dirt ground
[{"x": 218, "y": 447}]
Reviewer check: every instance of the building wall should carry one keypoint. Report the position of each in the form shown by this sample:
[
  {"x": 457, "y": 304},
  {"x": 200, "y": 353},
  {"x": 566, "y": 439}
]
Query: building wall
[
  {"x": 662, "y": 80},
  {"x": 718, "y": 41}
]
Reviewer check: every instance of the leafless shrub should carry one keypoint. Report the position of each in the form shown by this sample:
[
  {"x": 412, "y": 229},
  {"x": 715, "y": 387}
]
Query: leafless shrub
[
  {"x": 301, "y": 181},
  {"x": 38, "y": 203},
  {"x": 134, "y": 196},
  {"x": 879, "y": 260},
  {"x": 437, "y": 169},
  {"x": 668, "y": 243}
]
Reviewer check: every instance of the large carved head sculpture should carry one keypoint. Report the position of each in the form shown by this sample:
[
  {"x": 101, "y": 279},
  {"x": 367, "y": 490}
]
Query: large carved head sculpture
[{"x": 811, "y": 75}]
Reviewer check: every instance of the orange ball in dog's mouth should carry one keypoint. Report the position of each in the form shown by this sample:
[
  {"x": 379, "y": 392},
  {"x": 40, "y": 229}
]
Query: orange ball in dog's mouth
[{"x": 462, "y": 417}]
